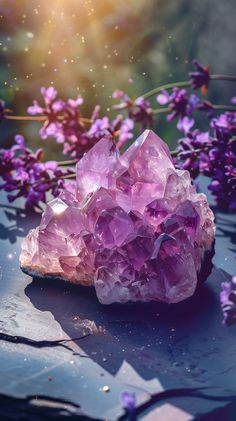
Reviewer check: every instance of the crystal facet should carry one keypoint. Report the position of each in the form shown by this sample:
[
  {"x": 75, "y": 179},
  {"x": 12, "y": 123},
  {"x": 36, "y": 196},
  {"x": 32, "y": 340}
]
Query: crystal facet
[{"x": 136, "y": 230}]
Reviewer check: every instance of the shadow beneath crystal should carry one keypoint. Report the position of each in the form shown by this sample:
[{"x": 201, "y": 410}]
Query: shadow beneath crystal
[
  {"x": 21, "y": 221},
  {"x": 144, "y": 334}
]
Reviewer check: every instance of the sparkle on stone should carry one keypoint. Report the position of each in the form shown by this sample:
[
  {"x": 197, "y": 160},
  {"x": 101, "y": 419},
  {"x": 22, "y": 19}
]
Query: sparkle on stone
[{"x": 136, "y": 230}]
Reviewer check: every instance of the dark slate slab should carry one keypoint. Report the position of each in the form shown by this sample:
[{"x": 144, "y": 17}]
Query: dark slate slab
[{"x": 179, "y": 360}]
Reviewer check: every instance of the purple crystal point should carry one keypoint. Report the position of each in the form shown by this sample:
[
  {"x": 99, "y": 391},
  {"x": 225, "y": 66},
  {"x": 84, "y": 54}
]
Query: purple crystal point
[
  {"x": 187, "y": 215},
  {"x": 136, "y": 230},
  {"x": 113, "y": 227},
  {"x": 99, "y": 167}
]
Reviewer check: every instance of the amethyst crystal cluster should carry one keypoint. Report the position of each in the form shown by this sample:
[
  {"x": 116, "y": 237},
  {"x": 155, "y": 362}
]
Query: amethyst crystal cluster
[{"x": 136, "y": 230}]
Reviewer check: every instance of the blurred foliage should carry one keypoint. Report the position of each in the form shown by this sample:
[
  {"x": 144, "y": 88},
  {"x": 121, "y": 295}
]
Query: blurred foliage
[{"x": 92, "y": 47}]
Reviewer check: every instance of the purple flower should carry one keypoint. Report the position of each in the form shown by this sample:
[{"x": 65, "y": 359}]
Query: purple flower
[
  {"x": 58, "y": 106},
  {"x": 139, "y": 110},
  {"x": 142, "y": 113},
  {"x": 228, "y": 301},
  {"x": 213, "y": 155},
  {"x": 163, "y": 98},
  {"x": 181, "y": 106},
  {"x": 51, "y": 165},
  {"x": 125, "y": 132},
  {"x": 185, "y": 124},
  {"x": 190, "y": 149},
  {"x": 62, "y": 122},
  {"x": 35, "y": 109},
  {"x": 200, "y": 78},
  {"x": 20, "y": 141},
  {"x": 205, "y": 105},
  {"x": 99, "y": 126},
  {"x": 128, "y": 401},
  {"x": 49, "y": 94},
  {"x": 21, "y": 175},
  {"x": 225, "y": 292},
  {"x": 74, "y": 103},
  {"x": 120, "y": 128},
  {"x": 225, "y": 125},
  {"x": 125, "y": 101},
  {"x": 25, "y": 175},
  {"x": 223, "y": 161}
]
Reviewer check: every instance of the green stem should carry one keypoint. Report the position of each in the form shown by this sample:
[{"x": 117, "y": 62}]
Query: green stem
[
  {"x": 230, "y": 78},
  {"x": 224, "y": 107},
  {"x": 214, "y": 106},
  {"x": 39, "y": 118},
  {"x": 185, "y": 84},
  {"x": 161, "y": 110},
  {"x": 25, "y": 117},
  {"x": 67, "y": 163},
  {"x": 72, "y": 176},
  {"x": 195, "y": 151},
  {"x": 64, "y": 177}
]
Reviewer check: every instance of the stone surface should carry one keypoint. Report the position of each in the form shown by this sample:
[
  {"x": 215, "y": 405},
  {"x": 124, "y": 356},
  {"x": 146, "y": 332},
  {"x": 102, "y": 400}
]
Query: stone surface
[
  {"x": 185, "y": 348},
  {"x": 137, "y": 230}
]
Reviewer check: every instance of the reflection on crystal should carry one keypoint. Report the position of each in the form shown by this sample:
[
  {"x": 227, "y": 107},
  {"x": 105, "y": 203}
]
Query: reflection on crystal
[
  {"x": 58, "y": 206},
  {"x": 137, "y": 229}
]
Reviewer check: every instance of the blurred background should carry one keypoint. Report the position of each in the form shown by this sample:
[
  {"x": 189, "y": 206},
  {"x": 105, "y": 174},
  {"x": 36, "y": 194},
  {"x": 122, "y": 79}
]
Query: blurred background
[{"x": 92, "y": 47}]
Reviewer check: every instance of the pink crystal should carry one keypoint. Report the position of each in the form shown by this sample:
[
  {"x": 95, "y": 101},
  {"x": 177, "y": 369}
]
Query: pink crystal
[{"x": 136, "y": 230}]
